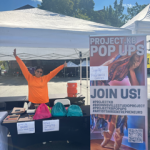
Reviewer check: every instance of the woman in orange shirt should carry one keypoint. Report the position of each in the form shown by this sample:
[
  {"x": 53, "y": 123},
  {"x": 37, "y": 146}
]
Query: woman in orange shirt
[{"x": 38, "y": 89}]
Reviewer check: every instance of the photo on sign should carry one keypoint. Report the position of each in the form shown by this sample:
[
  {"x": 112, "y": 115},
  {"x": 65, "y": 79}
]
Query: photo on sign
[
  {"x": 117, "y": 132},
  {"x": 125, "y": 60}
]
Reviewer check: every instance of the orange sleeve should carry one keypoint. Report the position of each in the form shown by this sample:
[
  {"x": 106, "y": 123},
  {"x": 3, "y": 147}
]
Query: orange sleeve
[
  {"x": 23, "y": 68},
  {"x": 53, "y": 73}
]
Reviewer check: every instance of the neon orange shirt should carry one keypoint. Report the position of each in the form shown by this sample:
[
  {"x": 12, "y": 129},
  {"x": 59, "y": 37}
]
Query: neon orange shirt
[{"x": 38, "y": 89}]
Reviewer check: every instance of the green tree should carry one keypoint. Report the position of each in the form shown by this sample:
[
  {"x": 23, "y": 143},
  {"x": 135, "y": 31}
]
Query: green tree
[
  {"x": 133, "y": 11},
  {"x": 58, "y": 6},
  {"x": 84, "y": 9},
  {"x": 118, "y": 19},
  {"x": 87, "y": 7},
  {"x": 113, "y": 16},
  {"x": 99, "y": 16},
  {"x": 2, "y": 65},
  {"x": 76, "y": 8},
  {"x": 1, "y": 62}
]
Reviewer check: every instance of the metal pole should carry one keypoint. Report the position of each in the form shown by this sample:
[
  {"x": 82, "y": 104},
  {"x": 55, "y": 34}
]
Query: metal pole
[
  {"x": 87, "y": 77},
  {"x": 80, "y": 76},
  {"x": 149, "y": 45},
  {"x": 80, "y": 55},
  {"x": 64, "y": 72}
]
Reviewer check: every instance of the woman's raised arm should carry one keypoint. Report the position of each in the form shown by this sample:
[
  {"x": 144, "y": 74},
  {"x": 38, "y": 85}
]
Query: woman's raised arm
[
  {"x": 54, "y": 72},
  {"x": 23, "y": 67}
]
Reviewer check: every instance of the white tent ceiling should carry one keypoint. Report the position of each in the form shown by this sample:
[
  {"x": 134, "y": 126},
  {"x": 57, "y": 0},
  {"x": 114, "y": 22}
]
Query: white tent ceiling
[{"x": 40, "y": 34}]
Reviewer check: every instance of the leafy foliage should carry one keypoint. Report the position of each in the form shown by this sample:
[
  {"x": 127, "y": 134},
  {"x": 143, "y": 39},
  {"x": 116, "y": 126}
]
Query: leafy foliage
[
  {"x": 84, "y": 9},
  {"x": 2, "y": 65},
  {"x": 62, "y": 7},
  {"x": 1, "y": 62},
  {"x": 133, "y": 11}
]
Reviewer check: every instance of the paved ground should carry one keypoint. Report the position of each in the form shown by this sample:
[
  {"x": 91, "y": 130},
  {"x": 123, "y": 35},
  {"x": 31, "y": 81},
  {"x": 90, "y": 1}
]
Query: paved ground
[{"x": 17, "y": 86}]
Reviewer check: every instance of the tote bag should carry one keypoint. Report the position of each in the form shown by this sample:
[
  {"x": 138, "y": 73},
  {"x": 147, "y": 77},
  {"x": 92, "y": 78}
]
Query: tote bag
[{"x": 42, "y": 112}]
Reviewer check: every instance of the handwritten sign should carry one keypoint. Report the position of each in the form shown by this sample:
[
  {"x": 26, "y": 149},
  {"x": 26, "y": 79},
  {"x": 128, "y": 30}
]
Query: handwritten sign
[
  {"x": 26, "y": 127},
  {"x": 99, "y": 73},
  {"x": 50, "y": 125}
]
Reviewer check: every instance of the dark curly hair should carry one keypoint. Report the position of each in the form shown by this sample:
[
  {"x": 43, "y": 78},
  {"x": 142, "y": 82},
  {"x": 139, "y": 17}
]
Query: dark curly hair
[{"x": 39, "y": 67}]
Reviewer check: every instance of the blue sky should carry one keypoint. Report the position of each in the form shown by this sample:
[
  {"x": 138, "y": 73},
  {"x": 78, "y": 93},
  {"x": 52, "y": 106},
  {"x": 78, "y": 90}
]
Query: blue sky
[
  {"x": 99, "y": 4},
  {"x": 6, "y": 5}
]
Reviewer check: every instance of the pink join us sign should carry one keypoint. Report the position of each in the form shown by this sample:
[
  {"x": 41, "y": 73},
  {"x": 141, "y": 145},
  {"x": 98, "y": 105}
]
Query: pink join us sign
[{"x": 118, "y": 92}]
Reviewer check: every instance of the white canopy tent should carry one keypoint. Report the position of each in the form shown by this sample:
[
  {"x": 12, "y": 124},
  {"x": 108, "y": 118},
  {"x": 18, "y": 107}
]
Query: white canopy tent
[
  {"x": 140, "y": 24},
  {"x": 84, "y": 63},
  {"x": 71, "y": 64},
  {"x": 40, "y": 34}
]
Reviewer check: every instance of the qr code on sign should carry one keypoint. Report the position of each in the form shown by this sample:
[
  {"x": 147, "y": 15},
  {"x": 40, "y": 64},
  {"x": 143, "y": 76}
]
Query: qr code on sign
[{"x": 135, "y": 135}]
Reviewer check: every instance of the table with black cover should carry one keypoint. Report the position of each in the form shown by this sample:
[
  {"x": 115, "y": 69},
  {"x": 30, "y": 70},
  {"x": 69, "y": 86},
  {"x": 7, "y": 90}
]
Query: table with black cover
[
  {"x": 79, "y": 100},
  {"x": 76, "y": 129},
  {"x": 13, "y": 101},
  {"x": 18, "y": 101}
]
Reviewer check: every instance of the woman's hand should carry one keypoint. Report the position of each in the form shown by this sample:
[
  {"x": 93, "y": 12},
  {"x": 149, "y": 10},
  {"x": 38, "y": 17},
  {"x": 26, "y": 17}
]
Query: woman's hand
[
  {"x": 65, "y": 64},
  {"x": 136, "y": 63},
  {"x": 14, "y": 53},
  {"x": 134, "y": 66}
]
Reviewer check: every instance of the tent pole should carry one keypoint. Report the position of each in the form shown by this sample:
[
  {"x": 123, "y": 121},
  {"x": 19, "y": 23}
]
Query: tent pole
[
  {"x": 64, "y": 72},
  {"x": 87, "y": 78},
  {"x": 80, "y": 55},
  {"x": 149, "y": 45},
  {"x": 80, "y": 76}
]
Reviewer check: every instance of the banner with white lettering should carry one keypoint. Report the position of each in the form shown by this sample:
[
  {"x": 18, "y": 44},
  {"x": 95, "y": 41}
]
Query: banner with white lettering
[{"x": 118, "y": 92}]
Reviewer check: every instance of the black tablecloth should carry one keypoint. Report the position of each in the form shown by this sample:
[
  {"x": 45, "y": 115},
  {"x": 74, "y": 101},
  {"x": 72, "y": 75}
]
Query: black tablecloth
[
  {"x": 18, "y": 101},
  {"x": 13, "y": 99},
  {"x": 70, "y": 128}
]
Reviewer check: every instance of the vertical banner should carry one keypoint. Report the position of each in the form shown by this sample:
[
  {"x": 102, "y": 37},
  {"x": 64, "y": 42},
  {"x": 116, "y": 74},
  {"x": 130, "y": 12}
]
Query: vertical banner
[{"x": 118, "y": 93}]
